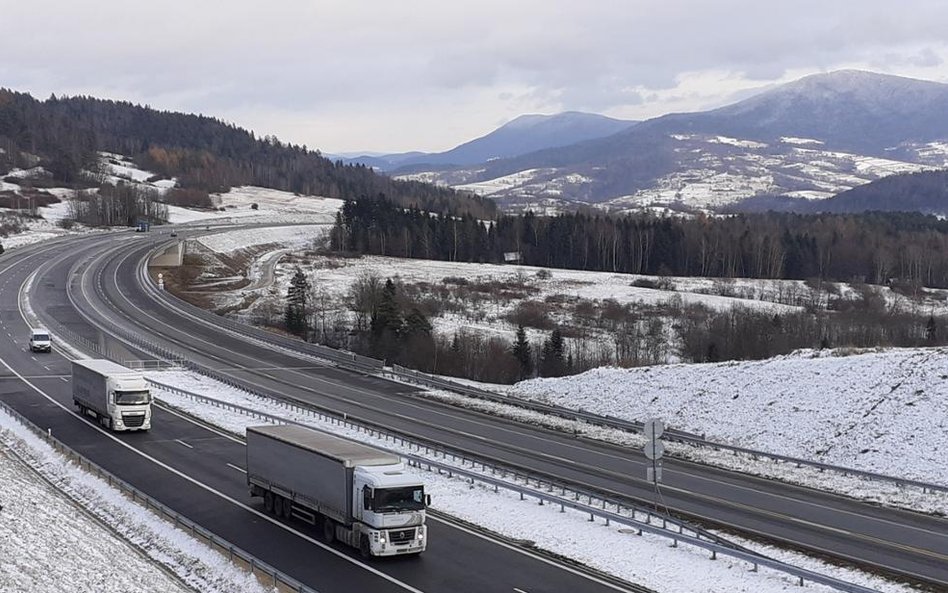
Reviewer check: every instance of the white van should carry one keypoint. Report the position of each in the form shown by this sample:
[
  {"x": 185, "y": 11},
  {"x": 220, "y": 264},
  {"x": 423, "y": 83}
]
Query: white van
[{"x": 40, "y": 340}]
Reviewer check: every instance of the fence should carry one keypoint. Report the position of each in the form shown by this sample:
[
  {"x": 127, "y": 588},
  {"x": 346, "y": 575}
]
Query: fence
[{"x": 265, "y": 573}]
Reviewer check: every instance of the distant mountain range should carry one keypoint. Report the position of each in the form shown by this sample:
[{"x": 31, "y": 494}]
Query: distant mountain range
[
  {"x": 525, "y": 134},
  {"x": 807, "y": 140}
]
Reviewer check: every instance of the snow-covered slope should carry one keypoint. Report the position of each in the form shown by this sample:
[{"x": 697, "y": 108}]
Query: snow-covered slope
[{"x": 881, "y": 411}]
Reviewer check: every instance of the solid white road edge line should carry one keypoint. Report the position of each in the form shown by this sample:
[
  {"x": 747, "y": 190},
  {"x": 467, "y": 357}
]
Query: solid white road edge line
[{"x": 184, "y": 476}]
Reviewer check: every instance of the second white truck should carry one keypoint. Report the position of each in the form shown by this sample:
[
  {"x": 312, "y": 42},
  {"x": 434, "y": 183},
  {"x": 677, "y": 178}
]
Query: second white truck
[
  {"x": 357, "y": 494},
  {"x": 117, "y": 396}
]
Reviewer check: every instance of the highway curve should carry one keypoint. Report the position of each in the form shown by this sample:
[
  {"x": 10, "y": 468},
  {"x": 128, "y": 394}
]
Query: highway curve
[
  {"x": 900, "y": 542},
  {"x": 195, "y": 470}
]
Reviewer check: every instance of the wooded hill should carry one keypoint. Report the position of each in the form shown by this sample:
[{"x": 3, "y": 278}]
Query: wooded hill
[{"x": 203, "y": 153}]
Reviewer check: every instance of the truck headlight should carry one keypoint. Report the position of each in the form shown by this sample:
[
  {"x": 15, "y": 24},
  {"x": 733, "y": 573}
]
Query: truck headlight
[{"x": 382, "y": 539}]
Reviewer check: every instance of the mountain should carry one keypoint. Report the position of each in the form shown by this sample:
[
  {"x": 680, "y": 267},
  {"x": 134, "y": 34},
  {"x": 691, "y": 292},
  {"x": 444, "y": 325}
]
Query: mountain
[
  {"x": 812, "y": 138},
  {"x": 525, "y": 134},
  {"x": 925, "y": 192}
]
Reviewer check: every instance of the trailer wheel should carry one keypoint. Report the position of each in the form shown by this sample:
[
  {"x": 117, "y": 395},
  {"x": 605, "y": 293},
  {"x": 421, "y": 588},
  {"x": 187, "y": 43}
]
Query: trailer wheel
[
  {"x": 268, "y": 501},
  {"x": 329, "y": 530},
  {"x": 364, "y": 548},
  {"x": 287, "y": 508}
]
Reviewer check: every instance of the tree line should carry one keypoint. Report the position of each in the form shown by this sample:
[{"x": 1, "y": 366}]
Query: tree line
[
  {"x": 203, "y": 153},
  {"x": 869, "y": 247}
]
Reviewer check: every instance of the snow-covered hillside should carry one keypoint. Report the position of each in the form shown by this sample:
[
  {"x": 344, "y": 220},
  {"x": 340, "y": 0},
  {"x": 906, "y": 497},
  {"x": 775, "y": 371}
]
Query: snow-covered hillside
[
  {"x": 710, "y": 171},
  {"x": 879, "y": 411}
]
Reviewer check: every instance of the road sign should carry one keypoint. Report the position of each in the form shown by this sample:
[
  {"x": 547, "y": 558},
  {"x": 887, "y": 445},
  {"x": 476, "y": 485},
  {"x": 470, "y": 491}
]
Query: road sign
[
  {"x": 654, "y": 450},
  {"x": 653, "y": 428},
  {"x": 654, "y": 474}
]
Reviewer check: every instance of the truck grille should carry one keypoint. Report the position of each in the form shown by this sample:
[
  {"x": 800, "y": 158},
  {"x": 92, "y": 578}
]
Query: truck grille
[
  {"x": 401, "y": 536},
  {"x": 133, "y": 421}
]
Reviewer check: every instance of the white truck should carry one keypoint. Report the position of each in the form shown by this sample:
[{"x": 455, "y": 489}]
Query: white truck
[
  {"x": 355, "y": 493},
  {"x": 117, "y": 396}
]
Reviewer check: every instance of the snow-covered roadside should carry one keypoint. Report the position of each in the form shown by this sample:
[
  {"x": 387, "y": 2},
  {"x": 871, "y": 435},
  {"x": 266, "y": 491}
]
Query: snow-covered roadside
[
  {"x": 884, "y": 412},
  {"x": 847, "y": 485},
  {"x": 46, "y": 546},
  {"x": 647, "y": 560}
]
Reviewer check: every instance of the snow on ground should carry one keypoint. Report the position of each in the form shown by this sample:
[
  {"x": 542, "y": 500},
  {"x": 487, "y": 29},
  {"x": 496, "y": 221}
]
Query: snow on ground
[
  {"x": 492, "y": 186},
  {"x": 736, "y": 142},
  {"x": 336, "y": 275},
  {"x": 273, "y": 206},
  {"x": 47, "y": 546},
  {"x": 646, "y": 560},
  {"x": 38, "y": 230},
  {"x": 122, "y": 168},
  {"x": 288, "y": 237},
  {"x": 885, "y": 412},
  {"x": 795, "y": 140}
]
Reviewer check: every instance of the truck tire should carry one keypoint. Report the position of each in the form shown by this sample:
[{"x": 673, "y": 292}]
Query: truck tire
[
  {"x": 287, "y": 508},
  {"x": 329, "y": 530},
  {"x": 364, "y": 549},
  {"x": 268, "y": 501}
]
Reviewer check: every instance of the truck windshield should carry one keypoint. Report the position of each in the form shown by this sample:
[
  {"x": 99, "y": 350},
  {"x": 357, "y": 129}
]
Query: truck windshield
[
  {"x": 411, "y": 498},
  {"x": 131, "y": 398}
]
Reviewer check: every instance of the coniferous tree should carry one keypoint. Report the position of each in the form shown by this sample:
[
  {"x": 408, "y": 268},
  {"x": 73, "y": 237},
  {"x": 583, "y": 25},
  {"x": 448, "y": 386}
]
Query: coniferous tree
[
  {"x": 296, "y": 312},
  {"x": 386, "y": 325},
  {"x": 931, "y": 329},
  {"x": 522, "y": 352},
  {"x": 552, "y": 363}
]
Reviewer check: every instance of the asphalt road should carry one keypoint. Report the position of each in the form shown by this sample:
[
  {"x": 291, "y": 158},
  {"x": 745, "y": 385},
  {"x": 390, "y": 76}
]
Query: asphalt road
[
  {"x": 192, "y": 469},
  {"x": 899, "y": 541}
]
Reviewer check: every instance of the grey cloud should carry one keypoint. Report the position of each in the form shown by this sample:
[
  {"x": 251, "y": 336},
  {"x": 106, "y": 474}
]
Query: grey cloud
[{"x": 341, "y": 59}]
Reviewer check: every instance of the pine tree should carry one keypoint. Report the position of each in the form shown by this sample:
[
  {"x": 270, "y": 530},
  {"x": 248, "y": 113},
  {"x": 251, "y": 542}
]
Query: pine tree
[
  {"x": 295, "y": 314},
  {"x": 387, "y": 317},
  {"x": 522, "y": 352},
  {"x": 931, "y": 329},
  {"x": 551, "y": 360}
]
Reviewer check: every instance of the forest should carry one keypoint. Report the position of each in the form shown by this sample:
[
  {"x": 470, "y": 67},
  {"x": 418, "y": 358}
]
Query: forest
[
  {"x": 873, "y": 247},
  {"x": 204, "y": 154}
]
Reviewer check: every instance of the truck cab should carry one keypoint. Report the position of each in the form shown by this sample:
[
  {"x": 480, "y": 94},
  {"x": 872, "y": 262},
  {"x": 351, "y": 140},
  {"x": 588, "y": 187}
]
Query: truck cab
[
  {"x": 40, "y": 340},
  {"x": 390, "y": 503}
]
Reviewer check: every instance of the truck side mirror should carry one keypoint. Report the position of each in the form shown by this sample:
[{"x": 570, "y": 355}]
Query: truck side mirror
[
  {"x": 427, "y": 500},
  {"x": 367, "y": 499}
]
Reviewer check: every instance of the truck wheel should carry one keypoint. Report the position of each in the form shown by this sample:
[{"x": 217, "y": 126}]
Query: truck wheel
[
  {"x": 329, "y": 530},
  {"x": 287, "y": 508},
  {"x": 364, "y": 549},
  {"x": 268, "y": 501}
]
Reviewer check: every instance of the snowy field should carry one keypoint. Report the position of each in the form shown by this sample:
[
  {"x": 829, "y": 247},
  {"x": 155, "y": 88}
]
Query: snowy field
[
  {"x": 646, "y": 560},
  {"x": 286, "y": 237},
  {"x": 885, "y": 412},
  {"x": 273, "y": 206},
  {"x": 47, "y": 545}
]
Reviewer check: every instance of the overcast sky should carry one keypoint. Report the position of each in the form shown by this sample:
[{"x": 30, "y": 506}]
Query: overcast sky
[{"x": 393, "y": 75}]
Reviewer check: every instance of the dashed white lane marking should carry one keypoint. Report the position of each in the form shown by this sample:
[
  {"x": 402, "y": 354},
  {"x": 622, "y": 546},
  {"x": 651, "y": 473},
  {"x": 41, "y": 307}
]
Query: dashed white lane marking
[
  {"x": 180, "y": 442},
  {"x": 240, "y": 469}
]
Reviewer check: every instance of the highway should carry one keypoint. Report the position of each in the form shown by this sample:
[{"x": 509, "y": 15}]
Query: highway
[
  {"x": 192, "y": 469},
  {"x": 106, "y": 288}
]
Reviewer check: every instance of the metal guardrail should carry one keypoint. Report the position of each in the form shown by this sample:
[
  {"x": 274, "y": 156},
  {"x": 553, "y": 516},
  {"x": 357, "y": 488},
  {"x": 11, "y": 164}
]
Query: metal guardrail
[
  {"x": 265, "y": 573},
  {"x": 598, "y": 508},
  {"x": 628, "y": 426}
]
